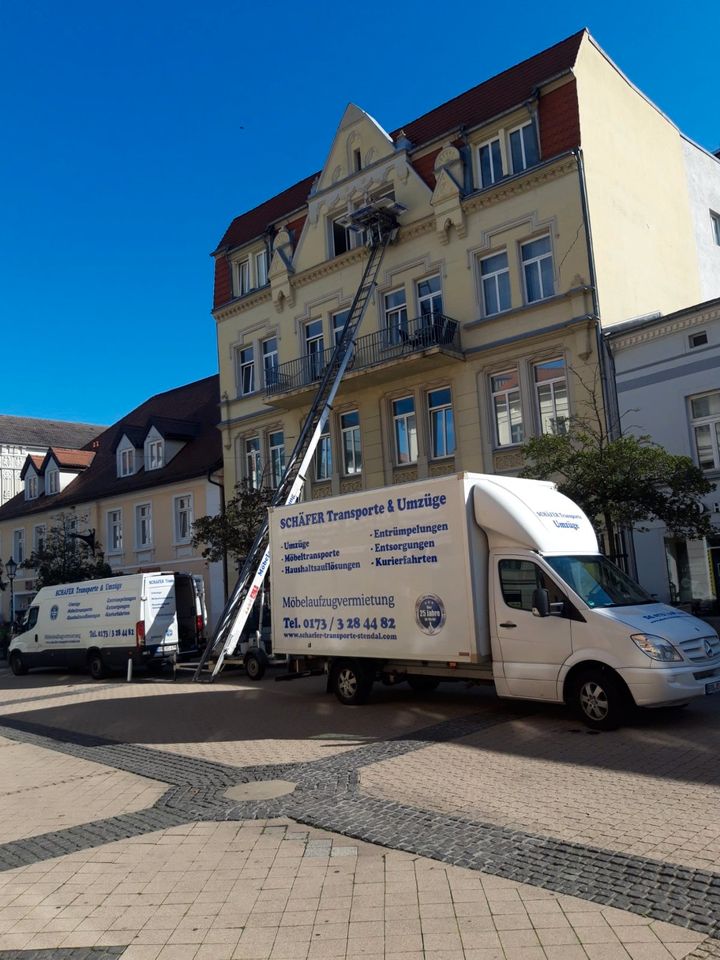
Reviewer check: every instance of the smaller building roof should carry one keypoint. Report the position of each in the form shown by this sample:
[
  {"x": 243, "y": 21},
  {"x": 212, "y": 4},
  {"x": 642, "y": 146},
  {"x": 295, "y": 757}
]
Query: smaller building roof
[
  {"x": 30, "y": 432},
  {"x": 68, "y": 459}
]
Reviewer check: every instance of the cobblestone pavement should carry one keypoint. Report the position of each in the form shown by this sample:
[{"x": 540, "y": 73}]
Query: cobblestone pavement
[{"x": 454, "y": 829}]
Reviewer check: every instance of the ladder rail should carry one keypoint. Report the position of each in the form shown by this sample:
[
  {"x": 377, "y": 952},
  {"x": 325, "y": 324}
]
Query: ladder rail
[{"x": 240, "y": 603}]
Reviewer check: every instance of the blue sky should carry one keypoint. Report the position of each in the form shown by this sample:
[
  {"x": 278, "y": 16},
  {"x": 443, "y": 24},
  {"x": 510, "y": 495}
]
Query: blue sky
[{"x": 134, "y": 132}]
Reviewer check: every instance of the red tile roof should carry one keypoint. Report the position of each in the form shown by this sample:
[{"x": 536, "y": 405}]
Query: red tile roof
[
  {"x": 487, "y": 100},
  {"x": 70, "y": 459}
]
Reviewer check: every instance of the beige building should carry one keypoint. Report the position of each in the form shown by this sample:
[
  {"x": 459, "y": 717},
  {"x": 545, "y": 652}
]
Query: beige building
[
  {"x": 136, "y": 488},
  {"x": 546, "y": 202}
]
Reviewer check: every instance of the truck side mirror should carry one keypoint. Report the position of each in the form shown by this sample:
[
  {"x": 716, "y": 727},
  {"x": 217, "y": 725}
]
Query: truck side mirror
[{"x": 540, "y": 602}]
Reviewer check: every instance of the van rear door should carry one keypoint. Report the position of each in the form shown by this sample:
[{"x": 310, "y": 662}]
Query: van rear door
[{"x": 186, "y": 605}]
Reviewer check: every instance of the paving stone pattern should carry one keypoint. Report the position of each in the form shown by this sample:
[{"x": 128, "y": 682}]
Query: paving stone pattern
[{"x": 327, "y": 796}]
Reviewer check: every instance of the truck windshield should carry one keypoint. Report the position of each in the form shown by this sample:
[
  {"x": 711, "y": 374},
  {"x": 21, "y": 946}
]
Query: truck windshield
[{"x": 598, "y": 581}]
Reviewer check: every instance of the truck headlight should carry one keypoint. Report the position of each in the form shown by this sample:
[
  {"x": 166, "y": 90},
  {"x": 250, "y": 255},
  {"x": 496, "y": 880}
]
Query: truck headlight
[{"x": 657, "y": 648}]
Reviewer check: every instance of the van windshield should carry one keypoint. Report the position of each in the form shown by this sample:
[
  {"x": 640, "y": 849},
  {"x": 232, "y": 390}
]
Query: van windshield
[{"x": 599, "y": 582}]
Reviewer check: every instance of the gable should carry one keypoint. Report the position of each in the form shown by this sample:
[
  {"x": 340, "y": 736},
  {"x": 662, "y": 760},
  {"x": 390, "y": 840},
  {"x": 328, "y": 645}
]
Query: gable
[{"x": 357, "y": 137}]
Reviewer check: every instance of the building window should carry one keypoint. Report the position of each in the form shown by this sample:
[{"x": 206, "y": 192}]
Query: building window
[
  {"x": 552, "y": 397},
  {"x": 18, "y": 553},
  {"x": 245, "y": 371},
  {"x": 143, "y": 526},
  {"x": 396, "y": 319},
  {"x": 183, "y": 518},
  {"x": 429, "y": 294},
  {"x": 343, "y": 238},
  {"x": 715, "y": 220},
  {"x": 261, "y": 268},
  {"x": 507, "y": 408},
  {"x": 495, "y": 279},
  {"x": 126, "y": 462},
  {"x": 538, "y": 269},
  {"x": 442, "y": 424},
  {"x": 491, "y": 167},
  {"x": 314, "y": 348},
  {"x": 277, "y": 457},
  {"x": 114, "y": 531},
  {"x": 39, "y": 538},
  {"x": 270, "y": 361},
  {"x": 243, "y": 277},
  {"x": 253, "y": 472},
  {"x": 350, "y": 439},
  {"x": 698, "y": 339},
  {"x": 52, "y": 481},
  {"x": 404, "y": 430},
  {"x": 323, "y": 457},
  {"x": 154, "y": 454},
  {"x": 705, "y": 411},
  {"x": 338, "y": 325},
  {"x": 524, "y": 150},
  {"x": 31, "y": 486}
]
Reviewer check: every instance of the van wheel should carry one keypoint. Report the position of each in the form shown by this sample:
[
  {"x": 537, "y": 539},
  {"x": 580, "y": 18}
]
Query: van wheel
[
  {"x": 423, "y": 685},
  {"x": 351, "y": 683},
  {"x": 17, "y": 665},
  {"x": 600, "y": 699},
  {"x": 96, "y": 666},
  {"x": 255, "y": 663}
]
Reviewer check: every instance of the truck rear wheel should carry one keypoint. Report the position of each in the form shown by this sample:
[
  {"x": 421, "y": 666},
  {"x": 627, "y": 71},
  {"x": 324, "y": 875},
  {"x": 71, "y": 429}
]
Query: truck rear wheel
[
  {"x": 17, "y": 664},
  {"x": 600, "y": 699},
  {"x": 351, "y": 682},
  {"x": 96, "y": 665},
  {"x": 255, "y": 663}
]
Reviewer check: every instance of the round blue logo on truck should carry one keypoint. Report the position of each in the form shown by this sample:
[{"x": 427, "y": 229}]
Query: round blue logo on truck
[
  {"x": 54, "y": 612},
  {"x": 430, "y": 614}
]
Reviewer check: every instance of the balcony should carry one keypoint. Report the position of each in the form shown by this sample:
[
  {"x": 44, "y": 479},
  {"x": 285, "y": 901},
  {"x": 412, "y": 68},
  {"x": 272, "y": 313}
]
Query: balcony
[{"x": 415, "y": 344}]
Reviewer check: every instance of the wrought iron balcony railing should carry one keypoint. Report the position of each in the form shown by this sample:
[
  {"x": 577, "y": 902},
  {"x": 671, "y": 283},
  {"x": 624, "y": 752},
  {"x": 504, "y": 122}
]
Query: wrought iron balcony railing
[{"x": 383, "y": 346}]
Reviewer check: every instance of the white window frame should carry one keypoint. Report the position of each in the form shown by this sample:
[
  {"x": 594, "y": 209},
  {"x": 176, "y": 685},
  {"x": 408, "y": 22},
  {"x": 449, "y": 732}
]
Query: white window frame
[
  {"x": 52, "y": 480},
  {"x": 558, "y": 422},
  {"x": 31, "y": 486},
  {"x": 315, "y": 357},
  {"x": 155, "y": 454},
  {"x": 429, "y": 297},
  {"x": 350, "y": 443},
  {"x": 253, "y": 462},
  {"x": 182, "y": 518},
  {"x": 18, "y": 549},
  {"x": 276, "y": 448},
  {"x": 114, "y": 526},
  {"x": 261, "y": 267},
  {"x": 404, "y": 421},
  {"x": 493, "y": 279},
  {"x": 270, "y": 361},
  {"x": 126, "y": 462},
  {"x": 143, "y": 525},
  {"x": 495, "y": 175},
  {"x": 243, "y": 283},
  {"x": 535, "y": 263},
  {"x": 39, "y": 537},
  {"x": 441, "y": 417},
  {"x": 519, "y": 129},
  {"x": 245, "y": 370},
  {"x": 323, "y": 457},
  {"x": 396, "y": 317},
  {"x": 710, "y": 421},
  {"x": 500, "y": 403},
  {"x": 353, "y": 238},
  {"x": 715, "y": 223}
]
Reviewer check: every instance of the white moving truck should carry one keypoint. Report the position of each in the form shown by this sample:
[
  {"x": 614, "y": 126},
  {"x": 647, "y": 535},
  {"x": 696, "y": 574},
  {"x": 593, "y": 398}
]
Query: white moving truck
[
  {"x": 99, "y": 624},
  {"x": 480, "y": 578}
]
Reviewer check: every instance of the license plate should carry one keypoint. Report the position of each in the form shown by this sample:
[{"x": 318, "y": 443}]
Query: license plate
[{"x": 713, "y": 687}]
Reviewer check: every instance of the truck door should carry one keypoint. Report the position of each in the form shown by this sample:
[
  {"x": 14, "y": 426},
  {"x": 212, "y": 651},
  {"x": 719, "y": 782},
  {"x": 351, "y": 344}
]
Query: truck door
[{"x": 532, "y": 649}]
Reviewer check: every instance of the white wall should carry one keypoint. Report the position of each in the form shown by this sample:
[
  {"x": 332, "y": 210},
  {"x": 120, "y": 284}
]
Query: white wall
[{"x": 703, "y": 173}]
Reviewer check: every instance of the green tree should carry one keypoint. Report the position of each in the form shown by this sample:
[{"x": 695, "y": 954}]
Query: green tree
[
  {"x": 233, "y": 532},
  {"x": 63, "y": 558},
  {"x": 621, "y": 482}
]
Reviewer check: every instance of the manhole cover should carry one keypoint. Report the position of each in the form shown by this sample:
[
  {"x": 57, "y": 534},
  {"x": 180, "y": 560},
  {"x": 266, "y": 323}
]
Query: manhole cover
[{"x": 260, "y": 790}]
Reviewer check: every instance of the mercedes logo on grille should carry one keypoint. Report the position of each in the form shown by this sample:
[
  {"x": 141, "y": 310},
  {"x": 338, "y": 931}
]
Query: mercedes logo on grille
[{"x": 708, "y": 649}]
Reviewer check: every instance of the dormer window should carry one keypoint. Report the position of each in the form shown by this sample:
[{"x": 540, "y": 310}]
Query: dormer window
[
  {"x": 31, "y": 486},
  {"x": 251, "y": 272},
  {"x": 126, "y": 462},
  {"x": 155, "y": 451},
  {"x": 52, "y": 480}
]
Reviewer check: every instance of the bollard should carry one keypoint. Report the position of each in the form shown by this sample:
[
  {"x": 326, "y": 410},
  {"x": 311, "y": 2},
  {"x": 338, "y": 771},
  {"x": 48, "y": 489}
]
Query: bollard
[{"x": 129, "y": 669}]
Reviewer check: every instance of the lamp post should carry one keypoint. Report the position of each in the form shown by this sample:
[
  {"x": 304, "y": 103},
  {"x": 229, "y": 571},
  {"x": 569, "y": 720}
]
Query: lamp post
[{"x": 11, "y": 570}]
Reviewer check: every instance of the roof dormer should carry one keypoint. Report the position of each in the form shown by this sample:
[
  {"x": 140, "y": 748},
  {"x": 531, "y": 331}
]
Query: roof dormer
[
  {"x": 165, "y": 438},
  {"x": 31, "y": 474},
  {"x": 61, "y": 465},
  {"x": 128, "y": 458}
]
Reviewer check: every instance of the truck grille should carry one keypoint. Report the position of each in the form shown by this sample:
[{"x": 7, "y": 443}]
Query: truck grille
[{"x": 697, "y": 649}]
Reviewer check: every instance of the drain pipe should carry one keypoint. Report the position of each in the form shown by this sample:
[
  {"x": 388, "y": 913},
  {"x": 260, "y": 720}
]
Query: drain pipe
[
  {"x": 606, "y": 362},
  {"x": 217, "y": 483}
]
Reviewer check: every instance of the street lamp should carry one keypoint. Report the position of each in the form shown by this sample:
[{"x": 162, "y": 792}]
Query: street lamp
[{"x": 11, "y": 570}]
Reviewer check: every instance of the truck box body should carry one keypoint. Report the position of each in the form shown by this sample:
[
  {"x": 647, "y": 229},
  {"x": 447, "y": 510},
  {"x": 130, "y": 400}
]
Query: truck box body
[
  {"x": 479, "y": 577},
  {"x": 119, "y": 617}
]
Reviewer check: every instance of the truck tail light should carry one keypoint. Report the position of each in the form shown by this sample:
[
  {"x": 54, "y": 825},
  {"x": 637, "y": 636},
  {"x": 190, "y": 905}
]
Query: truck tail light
[
  {"x": 140, "y": 633},
  {"x": 199, "y": 625}
]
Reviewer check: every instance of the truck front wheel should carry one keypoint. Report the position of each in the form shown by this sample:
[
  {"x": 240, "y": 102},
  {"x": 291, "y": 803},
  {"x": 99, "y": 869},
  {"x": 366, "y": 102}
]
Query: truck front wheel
[
  {"x": 600, "y": 699},
  {"x": 351, "y": 682}
]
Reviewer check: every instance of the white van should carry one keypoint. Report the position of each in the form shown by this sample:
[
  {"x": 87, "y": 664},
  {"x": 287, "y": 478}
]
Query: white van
[
  {"x": 100, "y": 624},
  {"x": 477, "y": 578}
]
